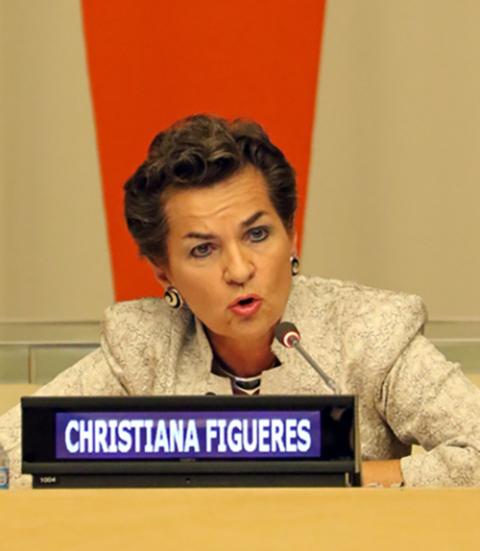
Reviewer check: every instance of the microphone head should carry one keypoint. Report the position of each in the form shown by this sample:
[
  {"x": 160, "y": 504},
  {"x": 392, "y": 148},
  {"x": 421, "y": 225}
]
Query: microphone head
[{"x": 287, "y": 334}]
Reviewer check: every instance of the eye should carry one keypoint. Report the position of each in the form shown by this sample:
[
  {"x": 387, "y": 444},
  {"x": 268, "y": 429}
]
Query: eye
[
  {"x": 201, "y": 251},
  {"x": 258, "y": 234}
]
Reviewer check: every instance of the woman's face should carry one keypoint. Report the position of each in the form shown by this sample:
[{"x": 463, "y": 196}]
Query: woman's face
[{"x": 227, "y": 244}]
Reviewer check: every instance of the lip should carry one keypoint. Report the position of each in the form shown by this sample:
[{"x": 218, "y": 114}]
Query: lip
[{"x": 246, "y": 310}]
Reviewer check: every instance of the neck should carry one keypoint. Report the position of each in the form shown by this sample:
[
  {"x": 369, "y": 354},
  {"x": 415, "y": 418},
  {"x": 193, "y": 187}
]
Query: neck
[{"x": 244, "y": 357}]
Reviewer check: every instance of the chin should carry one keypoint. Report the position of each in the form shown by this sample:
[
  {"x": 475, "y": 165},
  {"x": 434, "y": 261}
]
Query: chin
[{"x": 250, "y": 329}]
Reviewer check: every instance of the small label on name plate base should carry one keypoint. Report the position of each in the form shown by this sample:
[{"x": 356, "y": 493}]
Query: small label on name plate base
[{"x": 3, "y": 478}]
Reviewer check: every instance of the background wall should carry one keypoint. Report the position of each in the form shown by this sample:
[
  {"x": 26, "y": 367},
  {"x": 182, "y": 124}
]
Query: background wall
[
  {"x": 54, "y": 261},
  {"x": 394, "y": 194},
  {"x": 393, "y": 199}
]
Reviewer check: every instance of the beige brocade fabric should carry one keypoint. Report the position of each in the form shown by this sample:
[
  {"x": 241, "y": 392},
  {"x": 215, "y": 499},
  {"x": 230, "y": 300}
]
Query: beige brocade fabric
[{"x": 369, "y": 341}]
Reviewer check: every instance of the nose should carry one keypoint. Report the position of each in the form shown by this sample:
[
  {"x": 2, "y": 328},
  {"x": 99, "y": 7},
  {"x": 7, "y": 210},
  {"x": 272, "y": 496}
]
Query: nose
[{"x": 239, "y": 267}]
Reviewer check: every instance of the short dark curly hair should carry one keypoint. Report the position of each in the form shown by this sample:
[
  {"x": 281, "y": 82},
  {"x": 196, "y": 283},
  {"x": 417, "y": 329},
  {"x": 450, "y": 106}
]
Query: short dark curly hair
[{"x": 201, "y": 151}]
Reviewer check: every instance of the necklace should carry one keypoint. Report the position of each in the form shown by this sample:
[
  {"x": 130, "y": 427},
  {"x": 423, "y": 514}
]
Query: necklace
[{"x": 241, "y": 385}]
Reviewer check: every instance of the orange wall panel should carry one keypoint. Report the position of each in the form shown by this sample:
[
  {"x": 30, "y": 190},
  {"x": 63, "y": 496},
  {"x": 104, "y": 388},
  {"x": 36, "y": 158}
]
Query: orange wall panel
[{"x": 152, "y": 62}]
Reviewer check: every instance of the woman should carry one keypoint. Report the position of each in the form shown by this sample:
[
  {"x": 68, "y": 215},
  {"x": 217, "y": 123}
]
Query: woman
[{"x": 212, "y": 209}]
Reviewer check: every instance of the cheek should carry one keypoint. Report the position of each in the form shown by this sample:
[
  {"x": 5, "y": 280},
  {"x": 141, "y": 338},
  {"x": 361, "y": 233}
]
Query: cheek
[
  {"x": 281, "y": 277},
  {"x": 277, "y": 264},
  {"x": 198, "y": 288}
]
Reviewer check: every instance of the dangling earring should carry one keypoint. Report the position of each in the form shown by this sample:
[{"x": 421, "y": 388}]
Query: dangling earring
[
  {"x": 294, "y": 265},
  {"x": 173, "y": 298}
]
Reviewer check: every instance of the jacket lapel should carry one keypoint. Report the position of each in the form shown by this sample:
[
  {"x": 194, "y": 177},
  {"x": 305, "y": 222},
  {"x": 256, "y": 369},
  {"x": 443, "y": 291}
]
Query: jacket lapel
[{"x": 313, "y": 316}]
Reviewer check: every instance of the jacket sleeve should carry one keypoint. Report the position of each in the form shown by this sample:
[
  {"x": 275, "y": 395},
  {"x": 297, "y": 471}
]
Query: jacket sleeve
[
  {"x": 94, "y": 375},
  {"x": 427, "y": 400}
]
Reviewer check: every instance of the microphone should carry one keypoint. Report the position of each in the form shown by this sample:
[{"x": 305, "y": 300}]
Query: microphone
[{"x": 289, "y": 336}]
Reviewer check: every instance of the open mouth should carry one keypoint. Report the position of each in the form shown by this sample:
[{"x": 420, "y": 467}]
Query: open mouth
[
  {"x": 245, "y": 301},
  {"x": 246, "y": 306}
]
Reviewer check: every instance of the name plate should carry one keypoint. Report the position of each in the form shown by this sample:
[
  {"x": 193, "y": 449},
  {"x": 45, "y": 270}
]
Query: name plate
[
  {"x": 127, "y": 435},
  {"x": 190, "y": 440}
]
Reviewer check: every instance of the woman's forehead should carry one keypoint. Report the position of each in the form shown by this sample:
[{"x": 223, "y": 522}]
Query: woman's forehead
[{"x": 231, "y": 201}]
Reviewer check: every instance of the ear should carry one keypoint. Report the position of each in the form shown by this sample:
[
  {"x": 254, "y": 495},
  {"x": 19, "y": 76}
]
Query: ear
[{"x": 160, "y": 274}]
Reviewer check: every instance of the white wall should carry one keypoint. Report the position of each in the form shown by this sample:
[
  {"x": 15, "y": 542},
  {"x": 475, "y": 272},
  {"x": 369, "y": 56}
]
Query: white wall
[
  {"x": 394, "y": 196},
  {"x": 54, "y": 257}
]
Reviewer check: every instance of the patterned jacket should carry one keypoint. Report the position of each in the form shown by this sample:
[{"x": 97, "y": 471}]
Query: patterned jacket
[{"x": 368, "y": 340}]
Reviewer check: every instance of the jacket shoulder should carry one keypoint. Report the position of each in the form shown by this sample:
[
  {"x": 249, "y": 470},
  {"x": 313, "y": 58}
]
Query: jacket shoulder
[
  {"x": 135, "y": 326},
  {"x": 353, "y": 300},
  {"x": 371, "y": 322},
  {"x": 128, "y": 315}
]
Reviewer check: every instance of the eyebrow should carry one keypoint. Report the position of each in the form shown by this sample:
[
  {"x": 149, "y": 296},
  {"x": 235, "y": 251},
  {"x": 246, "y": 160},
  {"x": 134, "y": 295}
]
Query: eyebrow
[{"x": 245, "y": 224}]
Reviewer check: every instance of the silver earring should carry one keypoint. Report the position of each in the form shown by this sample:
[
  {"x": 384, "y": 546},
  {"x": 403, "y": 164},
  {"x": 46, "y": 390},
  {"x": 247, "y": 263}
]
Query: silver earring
[
  {"x": 295, "y": 265},
  {"x": 173, "y": 298}
]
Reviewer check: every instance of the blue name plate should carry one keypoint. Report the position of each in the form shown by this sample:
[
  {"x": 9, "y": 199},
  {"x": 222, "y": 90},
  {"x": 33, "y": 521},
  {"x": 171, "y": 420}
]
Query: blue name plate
[{"x": 187, "y": 435}]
